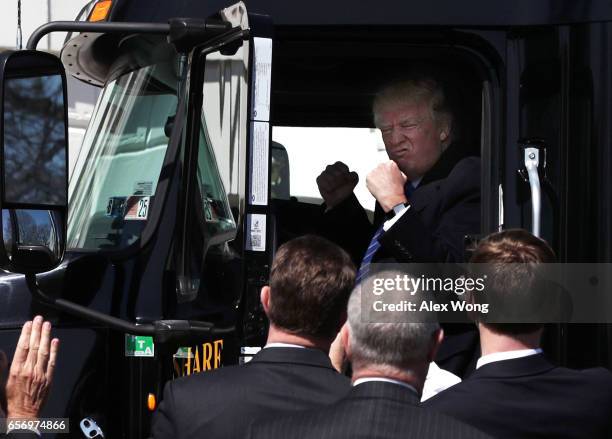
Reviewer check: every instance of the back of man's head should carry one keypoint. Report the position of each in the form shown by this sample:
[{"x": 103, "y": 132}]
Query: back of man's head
[
  {"x": 512, "y": 257},
  {"x": 404, "y": 341},
  {"x": 310, "y": 282}
]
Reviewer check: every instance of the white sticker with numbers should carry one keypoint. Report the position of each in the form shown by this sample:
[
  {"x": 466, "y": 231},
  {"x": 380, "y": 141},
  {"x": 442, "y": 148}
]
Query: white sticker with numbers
[
  {"x": 137, "y": 208},
  {"x": 256, "y": 237},
  {"x": 260, "y": 156},
  {"x": 262, "y": 72}
]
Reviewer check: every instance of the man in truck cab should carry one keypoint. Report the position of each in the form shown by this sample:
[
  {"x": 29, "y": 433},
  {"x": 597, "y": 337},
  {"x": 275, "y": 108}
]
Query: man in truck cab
[
  {"x": 427, "y": 194},
  {"x": 310, "y": 283}
]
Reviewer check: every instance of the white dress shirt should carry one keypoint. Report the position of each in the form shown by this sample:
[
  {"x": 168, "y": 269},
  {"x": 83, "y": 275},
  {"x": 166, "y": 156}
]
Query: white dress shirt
[
  {"x": 437, "y": 380},
  {"x": 507, "y": 355},
  {"x": 387, "y": 224},
  {"x": 384, "y": 380},
  {"x": 283, "y": 345}
]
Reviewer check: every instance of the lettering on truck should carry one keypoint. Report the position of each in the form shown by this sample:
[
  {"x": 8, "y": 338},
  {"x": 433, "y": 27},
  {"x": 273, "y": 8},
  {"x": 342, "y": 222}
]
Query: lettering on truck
[{"x": 199, "y": 358}]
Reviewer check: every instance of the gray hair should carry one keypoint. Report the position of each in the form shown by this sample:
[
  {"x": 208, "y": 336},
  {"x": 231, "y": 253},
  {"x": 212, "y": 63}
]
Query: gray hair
[
  {"x": 417, "y": 90},
  {"x": 398, "y": 342}
]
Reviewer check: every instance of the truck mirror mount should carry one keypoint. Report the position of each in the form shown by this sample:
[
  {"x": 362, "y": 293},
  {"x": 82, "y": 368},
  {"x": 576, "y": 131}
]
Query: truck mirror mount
[
  {"x": 167, "y": 334},
  {"x": 33, "y": 161},
  {"x": 34, "y": 184}
]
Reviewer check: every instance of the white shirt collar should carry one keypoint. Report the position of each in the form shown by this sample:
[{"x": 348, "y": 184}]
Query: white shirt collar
[
  {"x": 384, "y": 380},
  {"x": 283, "y": 345},
  {"x": 507, "y": 355},
  {"x": 416, "y": 182},
  {"x": 437, "y": 380}
]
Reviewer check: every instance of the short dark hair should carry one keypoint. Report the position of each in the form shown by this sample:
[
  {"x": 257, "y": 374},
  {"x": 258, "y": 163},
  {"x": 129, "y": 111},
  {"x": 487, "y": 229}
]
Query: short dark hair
[
  {"x": 310, "y": 283},
  {"x": 512, "y": 255},
  {"x": 513, "y": 246}
]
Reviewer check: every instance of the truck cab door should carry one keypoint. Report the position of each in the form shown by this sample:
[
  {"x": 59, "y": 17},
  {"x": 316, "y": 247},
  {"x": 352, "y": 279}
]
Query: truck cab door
[
  {"x": 558, "y": 123},
  {"x": 536, "y": 104},
  {"x": 225, "y": 242}
]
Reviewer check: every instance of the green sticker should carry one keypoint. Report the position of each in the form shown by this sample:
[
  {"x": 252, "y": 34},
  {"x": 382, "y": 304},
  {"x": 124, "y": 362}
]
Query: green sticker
[{"x": 139, "y": 346}]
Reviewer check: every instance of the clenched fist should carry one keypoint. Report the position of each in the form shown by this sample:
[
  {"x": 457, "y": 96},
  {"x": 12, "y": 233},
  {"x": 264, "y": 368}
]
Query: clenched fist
[
  {"x": 336, "y": 183},
  {"x": 386, "y": 183}
]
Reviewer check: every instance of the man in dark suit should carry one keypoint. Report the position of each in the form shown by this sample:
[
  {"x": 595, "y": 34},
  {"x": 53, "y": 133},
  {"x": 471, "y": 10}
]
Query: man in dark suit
[
  {"x": 310, "y": 283},
  {"x": 428, "y": 197},
  {"x": 390, "y": 362},
  {"x": 428, "y": 192},
  {"x": 29, "y": 380},
  {"x": 515, "y": 391}
]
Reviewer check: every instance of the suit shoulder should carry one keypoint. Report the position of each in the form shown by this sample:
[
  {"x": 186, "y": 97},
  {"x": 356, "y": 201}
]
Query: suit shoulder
[
  {"x": 295, "y": 424},
  {"x": 449, "y": 425},
  {"x": 598, "y": 376},
  {"x": 599, "y": 372},
  {"x": 450, "y": 396},
  {"x": 208, "y": 379}
]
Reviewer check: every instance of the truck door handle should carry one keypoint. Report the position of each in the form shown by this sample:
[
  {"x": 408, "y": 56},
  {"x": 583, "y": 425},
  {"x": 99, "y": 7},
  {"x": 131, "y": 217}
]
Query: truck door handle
[
  {"x": 532, "y": 161},
  {"x": 533, "y": 171}
]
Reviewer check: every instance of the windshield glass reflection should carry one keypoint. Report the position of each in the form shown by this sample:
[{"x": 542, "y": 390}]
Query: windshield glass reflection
[{"x": 115, "y": 179}]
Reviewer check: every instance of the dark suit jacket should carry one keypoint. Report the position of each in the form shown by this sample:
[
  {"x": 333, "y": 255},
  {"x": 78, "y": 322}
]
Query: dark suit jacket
[
  {"x": 444, "y": 208},
  {"x": 370, "y": 410},
  {"x": 222, "y": 403},
  {"x": 530, "y": 397}
]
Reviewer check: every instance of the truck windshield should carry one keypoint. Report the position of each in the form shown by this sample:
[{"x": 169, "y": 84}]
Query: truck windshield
[{"x": 112, "y": 187}]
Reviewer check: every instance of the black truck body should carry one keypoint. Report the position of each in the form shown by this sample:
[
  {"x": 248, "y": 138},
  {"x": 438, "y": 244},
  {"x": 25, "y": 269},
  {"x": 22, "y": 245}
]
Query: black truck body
[{"x": 522, "y": 70}]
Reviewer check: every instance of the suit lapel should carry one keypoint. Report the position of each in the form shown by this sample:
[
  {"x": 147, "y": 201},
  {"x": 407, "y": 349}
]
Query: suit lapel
[
  {"x": 423, "y": 195},
  {"x": 433, "y": 180},
  {"x": 445, "y": 164}
]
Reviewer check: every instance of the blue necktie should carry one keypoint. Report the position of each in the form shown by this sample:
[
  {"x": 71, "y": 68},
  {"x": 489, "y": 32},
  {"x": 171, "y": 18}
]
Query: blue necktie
[
  {"x": 369, "y": 254},
  {"x": 408, "y": 189},
  {"x": 374, "y": 244}
]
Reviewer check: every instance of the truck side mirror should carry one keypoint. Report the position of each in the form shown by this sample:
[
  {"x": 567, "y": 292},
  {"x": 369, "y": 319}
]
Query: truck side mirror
[{"x": 33, "y": 161}]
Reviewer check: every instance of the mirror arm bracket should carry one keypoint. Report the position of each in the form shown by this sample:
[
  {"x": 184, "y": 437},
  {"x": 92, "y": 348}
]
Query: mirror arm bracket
[
  {"x": 84, "y": 312},
  {"x": 165, "y": 332},
  {"x": 79, "y": 26},
  {"x": 184, "y": 33}
]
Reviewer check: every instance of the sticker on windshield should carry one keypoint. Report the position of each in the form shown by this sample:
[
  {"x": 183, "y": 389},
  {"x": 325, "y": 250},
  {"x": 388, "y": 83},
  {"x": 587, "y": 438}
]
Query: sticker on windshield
[
  {"x": 211, "y": 214},
  {"x": 115, "y": 207},
  {"x": 143, "y": 188},
  {"x": 137, "y": 208}
]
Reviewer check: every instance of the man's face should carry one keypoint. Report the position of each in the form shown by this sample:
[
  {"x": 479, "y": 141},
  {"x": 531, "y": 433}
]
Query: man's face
[{"x": 412, "y": 138}]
